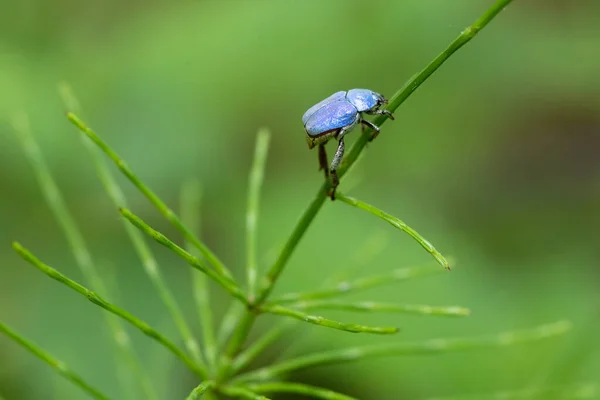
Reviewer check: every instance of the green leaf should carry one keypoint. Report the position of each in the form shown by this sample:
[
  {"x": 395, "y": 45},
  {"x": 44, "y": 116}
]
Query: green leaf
[
  {"x": 396, "y": 223},
  {"x": 317, "y": 320},
  {"x": 228, "y": 284}
]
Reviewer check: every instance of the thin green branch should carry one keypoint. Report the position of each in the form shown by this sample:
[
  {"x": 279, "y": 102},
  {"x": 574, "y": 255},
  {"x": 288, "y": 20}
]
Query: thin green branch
[
  {"x": 200, "y": 390},
  {"x": 396, "y": 223},
  {"x": 190, "y": 214},
  {"x": 368, "y": 282},
  {"x": 96, "y": 299},
  {"x": 151, "y": 196},
  {"x": 58, "y": 365},
  {"x": 242, "y": 393},
  {"x": 227, "y": 283},
  {"x": 316, "y": 320},
  {"x": 371, "y": 306},
  {"x": 255, "y": 183},
  {"x": 350, "y": 158},
  {"x": 298, "y": 388},
  {"x": 149, "y": 263},
  {"x": 83, "y": 258},
  {"x": 432, "y": 346},
  {"x": 261, "y": 344}
]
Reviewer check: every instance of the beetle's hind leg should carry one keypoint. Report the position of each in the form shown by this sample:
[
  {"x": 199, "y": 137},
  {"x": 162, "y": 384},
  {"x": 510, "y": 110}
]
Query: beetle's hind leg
[
  {"x": 335, "y": 163},
  {"x": 323, "y": 160}
]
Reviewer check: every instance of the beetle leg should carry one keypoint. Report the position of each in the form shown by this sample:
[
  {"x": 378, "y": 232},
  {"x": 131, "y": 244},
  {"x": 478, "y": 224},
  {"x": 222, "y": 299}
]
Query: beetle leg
[
  {"x": 337, "y": 159},
  {"x": 372, "y": 126},
  {"x": 381, "y": 112},
  {"x": 323, "y": 160}
]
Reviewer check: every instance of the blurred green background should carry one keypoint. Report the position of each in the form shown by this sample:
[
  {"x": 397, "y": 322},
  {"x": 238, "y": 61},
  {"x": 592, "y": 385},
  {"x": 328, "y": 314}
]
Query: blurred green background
[{"x": 494, "y": 160}]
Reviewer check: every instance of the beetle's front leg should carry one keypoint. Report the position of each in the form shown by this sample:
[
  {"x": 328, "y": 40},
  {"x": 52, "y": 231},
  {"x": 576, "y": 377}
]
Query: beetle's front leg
[
  {"x": 323, "y": 160},
  {"x": 372, "y": 126},
  {"x": 381, "y": 112},
  {"x": 337, "y": 159}
]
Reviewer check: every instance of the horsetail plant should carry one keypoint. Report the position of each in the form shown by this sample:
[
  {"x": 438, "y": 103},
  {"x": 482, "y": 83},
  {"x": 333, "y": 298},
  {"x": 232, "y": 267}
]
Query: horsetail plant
[{"x": 220, "y": 362}]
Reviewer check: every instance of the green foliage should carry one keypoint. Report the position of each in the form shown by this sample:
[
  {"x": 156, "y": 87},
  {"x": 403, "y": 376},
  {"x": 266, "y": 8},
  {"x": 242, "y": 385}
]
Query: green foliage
[{"x": 219, "y": 365}]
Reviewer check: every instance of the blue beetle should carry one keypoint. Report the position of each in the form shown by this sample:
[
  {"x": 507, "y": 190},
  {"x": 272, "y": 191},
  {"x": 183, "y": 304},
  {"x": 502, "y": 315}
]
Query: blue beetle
[{"x": 334, "y": 117}]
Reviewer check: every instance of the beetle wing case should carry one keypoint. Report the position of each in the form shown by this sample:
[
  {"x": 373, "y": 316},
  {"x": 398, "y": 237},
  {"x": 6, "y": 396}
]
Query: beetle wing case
[
  {"x": 331, "y": 117},
  {"x": 334, "y": 97}
]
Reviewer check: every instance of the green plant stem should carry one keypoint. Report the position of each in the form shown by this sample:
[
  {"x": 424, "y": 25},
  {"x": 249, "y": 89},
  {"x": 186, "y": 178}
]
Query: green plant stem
[
  {"x": 151, "y": 196},
  {"x": 58, "y": 365},
  {"x": 425, "y": 347},
  {"x": 268, "y": 281},
  {"x": 149, "y": 263},
  {"x": 255, "y": 183},
  {"x": 79, "y": 249},
  {"x": 96, "y": 299},
  {"x": 346, "y": 287},
  {"x": 370, "y": 306},
  {"x": 350, "y": 158},
  {"x": 298, "y": 388},
  {"x": 190, "y": 214},
  {"x": 316, "y": 320},
  {"x": 200, "y": 390},
  {"x": 228, "y": 284},
  {"x": 396, "y": 223},
  {"x": 243, "y": 393}
]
